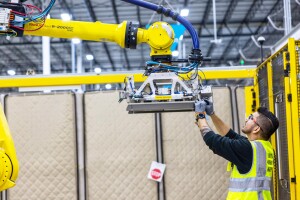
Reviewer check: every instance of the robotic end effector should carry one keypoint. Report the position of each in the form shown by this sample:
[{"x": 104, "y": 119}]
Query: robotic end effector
[{"x": 168, "y": 88}]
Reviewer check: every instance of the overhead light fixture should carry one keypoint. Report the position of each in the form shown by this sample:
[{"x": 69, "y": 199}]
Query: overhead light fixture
[
  {"x": 11, "y": 72},
  {"x": 175, "y": 53},
  {"x": 65, "y": 16},
  {"x": 184, "y": 12},
  {"x": 108, "y": 86},
  {"x": 89, "y": 57},
  {"x": 76, "y": 41},
  {"x": 97, "y": 70}
]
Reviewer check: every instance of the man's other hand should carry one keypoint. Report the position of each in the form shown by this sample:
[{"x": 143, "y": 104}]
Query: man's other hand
[{"x": 200, "y": 106}]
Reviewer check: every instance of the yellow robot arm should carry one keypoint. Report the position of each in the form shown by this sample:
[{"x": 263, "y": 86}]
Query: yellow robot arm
[
  {"x": 9, "y": 166},
  {"x": 159, "y": 36}
]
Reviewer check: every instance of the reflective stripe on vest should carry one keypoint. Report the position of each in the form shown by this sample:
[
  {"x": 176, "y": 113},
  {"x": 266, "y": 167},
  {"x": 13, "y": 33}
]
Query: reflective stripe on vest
[
  {"x": 260, "y": 160},
  {"x": 257, "y": 179},
  {"x": 249, "y": 184}
]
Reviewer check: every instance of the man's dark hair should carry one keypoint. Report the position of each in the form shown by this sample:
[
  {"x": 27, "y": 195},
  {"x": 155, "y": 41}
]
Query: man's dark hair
[{"x": 268, "y": 122}]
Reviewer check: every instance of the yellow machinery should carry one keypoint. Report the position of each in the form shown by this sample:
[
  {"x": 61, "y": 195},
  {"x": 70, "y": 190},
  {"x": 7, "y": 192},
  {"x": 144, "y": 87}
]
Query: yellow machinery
[
  {"x": 277, "y": 87},
  {"x": 159, "y": 36},
  {"x": 9, "y": 166}
]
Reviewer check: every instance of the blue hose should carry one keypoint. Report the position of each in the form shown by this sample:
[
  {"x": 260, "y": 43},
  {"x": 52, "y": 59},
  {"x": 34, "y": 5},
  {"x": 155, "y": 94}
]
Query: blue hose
[{"x": 172, "y": 14}]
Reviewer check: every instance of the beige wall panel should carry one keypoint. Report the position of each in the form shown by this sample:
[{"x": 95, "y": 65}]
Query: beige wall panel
[
  {"x": 43, "y": 129},
  {"x": 222, "y": 105},
  {"x": 193, "y": 172},
  {"x": 120, "y": 148}
]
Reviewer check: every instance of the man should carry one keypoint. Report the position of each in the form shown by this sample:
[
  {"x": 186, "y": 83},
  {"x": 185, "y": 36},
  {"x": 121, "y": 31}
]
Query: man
[{"x": 251, "y": 157}]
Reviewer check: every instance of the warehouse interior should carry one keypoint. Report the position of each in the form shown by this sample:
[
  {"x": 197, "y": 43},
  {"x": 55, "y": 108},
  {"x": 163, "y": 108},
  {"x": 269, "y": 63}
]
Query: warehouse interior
[
  {"x": 99, "y": 97},
  {"x": 238, "y": 23}
]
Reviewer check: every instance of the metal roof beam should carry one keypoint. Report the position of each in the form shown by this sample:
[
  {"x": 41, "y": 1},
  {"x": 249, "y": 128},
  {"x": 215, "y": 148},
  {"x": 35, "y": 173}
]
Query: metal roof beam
[
  {"x": 261, "y": 25},
  {"x": 140, "y": 22},
  {"x": 34, "y": 51},
  {"x": 109, "y": 56},
  {"x": 91, "y": 12},
  {"x": 205, "y": 16},
  {"x": 66, "y": 5},
  {"x": 226, "y": 18},
  {"x": 7, "y": 55},
  {"x": 249, "y": 15},
  {"x": 58, "y": 55},
  {"x": 118, "y": 21},
  {"x": 87, "y": 47},
  {"x": 186, "y": 2},
  {"x": 139, "y": 15},
  {"x": 93, "y": 16},
  {"x": 26, "y": 58},
  {"x": 209, "y": 23}
]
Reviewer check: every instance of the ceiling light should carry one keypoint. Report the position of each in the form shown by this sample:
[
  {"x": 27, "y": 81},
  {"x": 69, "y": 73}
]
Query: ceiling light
[
  {"x": 65, "y": 16},
  {"x": 184, "y": 12},
  {"x": 76, "y": 41},
  {"x": 11, "y": 72},
  {"x": 97, "y": 70},
  {"x": 108, "y": 86},
  {"x": 175, "y": 53},
  {"x": 89, "y": 57}
]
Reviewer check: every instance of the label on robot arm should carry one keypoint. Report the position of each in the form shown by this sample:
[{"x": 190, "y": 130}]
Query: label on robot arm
[
  {"x": 163, "y": 97},
  {"x": 156, "y": 171}
]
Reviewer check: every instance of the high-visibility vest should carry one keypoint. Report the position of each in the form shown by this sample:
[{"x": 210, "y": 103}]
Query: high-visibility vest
[{"x": 254, "y": 185}]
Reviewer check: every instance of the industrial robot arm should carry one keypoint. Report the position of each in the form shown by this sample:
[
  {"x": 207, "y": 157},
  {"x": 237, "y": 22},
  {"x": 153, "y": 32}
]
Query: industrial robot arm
[
  {"x": 9, "y": 166},
  {"x": 159, "y": 36},
  {"x": 16, "y": 20}
]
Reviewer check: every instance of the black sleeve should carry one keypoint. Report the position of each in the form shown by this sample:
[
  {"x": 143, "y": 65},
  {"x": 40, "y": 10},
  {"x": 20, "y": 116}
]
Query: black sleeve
[
  {"x": 233, "y": 135},
  {"x": 233, "y": 147}
]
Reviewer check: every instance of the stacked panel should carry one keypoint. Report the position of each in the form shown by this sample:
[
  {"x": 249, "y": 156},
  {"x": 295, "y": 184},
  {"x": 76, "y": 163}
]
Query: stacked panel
[
  {"x": 43, "y": 128},
  {"x": 119, "y": 149}
]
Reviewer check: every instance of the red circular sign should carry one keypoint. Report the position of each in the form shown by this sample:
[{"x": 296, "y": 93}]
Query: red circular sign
[{"x": 155, "y": 174}]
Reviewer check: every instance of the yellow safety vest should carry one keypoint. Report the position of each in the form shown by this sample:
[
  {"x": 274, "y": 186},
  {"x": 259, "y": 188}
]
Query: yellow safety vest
[{"x": 254, "y": 185}]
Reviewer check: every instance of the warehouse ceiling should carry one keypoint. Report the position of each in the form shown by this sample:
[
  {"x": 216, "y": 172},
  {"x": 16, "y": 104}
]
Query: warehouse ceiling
[{"x": 239, "y": 24}]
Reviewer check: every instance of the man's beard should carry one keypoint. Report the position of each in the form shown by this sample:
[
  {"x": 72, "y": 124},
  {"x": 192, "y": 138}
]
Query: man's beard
[{"x": 244, "y": 131}]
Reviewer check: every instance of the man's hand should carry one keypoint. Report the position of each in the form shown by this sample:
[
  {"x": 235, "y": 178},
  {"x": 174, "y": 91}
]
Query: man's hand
[
  {"x": 200, "y": 106},
  {"x": 209, "y": 108}
]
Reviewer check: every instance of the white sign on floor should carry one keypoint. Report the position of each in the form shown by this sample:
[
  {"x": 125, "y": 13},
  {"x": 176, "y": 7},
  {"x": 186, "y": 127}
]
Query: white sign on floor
[{"x": 156, "y": 171}]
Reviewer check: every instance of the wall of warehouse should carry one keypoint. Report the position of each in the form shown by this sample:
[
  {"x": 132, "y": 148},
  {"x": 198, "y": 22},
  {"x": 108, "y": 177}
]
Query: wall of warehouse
[{"x": 50, "y": 129}]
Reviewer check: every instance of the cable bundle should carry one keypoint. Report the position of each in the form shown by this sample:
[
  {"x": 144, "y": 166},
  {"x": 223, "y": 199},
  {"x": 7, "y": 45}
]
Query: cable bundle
[{"x": 22, "y": 14}]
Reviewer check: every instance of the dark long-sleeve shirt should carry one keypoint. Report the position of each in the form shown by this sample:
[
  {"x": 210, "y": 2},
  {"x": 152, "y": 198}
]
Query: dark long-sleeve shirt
[{"x": 233, "y": 147}]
